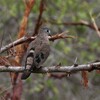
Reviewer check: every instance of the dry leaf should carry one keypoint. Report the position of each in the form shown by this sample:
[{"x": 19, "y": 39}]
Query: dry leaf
[{"x": 85, "y": 79}]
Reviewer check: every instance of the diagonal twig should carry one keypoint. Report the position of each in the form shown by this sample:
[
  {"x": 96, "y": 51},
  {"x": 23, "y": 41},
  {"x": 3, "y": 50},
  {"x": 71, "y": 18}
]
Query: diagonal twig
[{"x": 26, "y": 39}]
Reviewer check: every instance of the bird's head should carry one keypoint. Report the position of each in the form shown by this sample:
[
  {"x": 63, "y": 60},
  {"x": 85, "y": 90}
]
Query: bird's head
[{"x": 46, "y": 30}]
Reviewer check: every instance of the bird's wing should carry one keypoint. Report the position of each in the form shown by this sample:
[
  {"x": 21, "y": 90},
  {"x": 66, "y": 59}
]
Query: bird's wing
[
  {"x": 29, "y": 60},
  {"x": 41, "y": 54},
  {"x": 30, "y": 55}
]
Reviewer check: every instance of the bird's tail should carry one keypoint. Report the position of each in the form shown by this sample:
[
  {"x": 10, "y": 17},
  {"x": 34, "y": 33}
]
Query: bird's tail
[{"x": 25, "y": 75}]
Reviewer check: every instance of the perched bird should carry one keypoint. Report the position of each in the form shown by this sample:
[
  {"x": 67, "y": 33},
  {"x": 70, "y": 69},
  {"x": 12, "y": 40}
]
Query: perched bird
[{"x": 37, "y": 52}]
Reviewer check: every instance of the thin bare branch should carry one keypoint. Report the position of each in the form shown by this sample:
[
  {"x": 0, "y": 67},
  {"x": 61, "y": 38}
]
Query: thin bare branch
[
  {"x": 38, "y": 23},
  {"x": 2, "y": 37},
  {"x": 82, "y": 23},
  {"x": 26, "y": 39},
  {"x": 19, "y": 41},
  {"x": 95, "y": 26},
  {"x": 68, "y": 69}
]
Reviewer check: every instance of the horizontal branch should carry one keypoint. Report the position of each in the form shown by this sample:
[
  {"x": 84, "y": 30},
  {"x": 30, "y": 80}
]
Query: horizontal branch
[
  {"x": 68, "y": 69},
  {"x": 26, "y": 39},
  {"x": 82, "y": 23}
]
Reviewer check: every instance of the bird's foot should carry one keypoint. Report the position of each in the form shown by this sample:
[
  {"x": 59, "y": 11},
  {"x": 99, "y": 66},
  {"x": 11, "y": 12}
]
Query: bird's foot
[
  {"x": 36, "y": 68},
  {"x": 40, "y": 67}
]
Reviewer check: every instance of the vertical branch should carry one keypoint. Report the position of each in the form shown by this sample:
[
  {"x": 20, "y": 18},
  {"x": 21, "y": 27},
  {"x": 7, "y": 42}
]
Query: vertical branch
[
  {"x": 95, "y": 26},
  {"x": 28, "y": 4},
  {"x": 20, "y": 49},
  {"x": 17, "y": 88},
  {"x": 41, "y": 9},
  {"x": 1, "y": 41}
]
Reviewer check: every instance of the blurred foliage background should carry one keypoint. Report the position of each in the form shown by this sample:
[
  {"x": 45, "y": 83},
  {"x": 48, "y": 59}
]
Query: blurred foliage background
[{"x": 86, "y": 47}]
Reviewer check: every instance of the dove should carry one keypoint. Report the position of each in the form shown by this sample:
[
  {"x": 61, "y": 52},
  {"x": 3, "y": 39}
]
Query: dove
[{"x": 37, "y": 52}]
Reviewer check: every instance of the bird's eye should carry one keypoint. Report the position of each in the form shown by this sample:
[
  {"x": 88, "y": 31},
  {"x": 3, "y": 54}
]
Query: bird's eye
[{"x": 48, "y": 31}]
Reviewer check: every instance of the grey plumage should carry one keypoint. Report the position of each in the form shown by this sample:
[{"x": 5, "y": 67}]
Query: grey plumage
[{"x": 37, "y": 52}]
